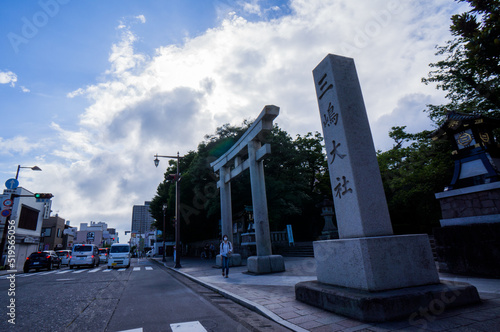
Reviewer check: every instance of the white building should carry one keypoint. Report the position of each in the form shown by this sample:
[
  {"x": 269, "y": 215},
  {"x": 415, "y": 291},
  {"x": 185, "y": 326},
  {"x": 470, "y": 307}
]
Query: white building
[
  {"x": 24, "y": 227},
  {"x": 96, "y": 233}
]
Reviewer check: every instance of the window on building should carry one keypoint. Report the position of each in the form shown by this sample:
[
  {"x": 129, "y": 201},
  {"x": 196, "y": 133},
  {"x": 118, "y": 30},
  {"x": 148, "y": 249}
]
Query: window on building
[
  {"x": 46, "y": 232},
  {"x": 28, "y": 218},
  {"x": 58, "y": 232}
]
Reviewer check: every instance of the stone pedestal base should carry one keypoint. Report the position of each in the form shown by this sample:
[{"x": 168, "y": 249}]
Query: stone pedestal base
[
  {"x": 380, "y": 278},
  {"x": 413, "y": 303},
  {"x": 265, "y": 264},
  {"x": 235, "y": 260},
  {"x": 376, "y": 263}
]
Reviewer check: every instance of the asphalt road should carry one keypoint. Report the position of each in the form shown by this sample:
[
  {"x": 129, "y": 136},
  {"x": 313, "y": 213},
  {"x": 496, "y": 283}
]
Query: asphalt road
[{"x": 145, "y": 297}]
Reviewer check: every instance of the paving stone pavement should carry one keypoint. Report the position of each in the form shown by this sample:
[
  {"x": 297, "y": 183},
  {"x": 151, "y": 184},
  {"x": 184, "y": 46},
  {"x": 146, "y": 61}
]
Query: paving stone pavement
[{"x": 274, "y": 296}]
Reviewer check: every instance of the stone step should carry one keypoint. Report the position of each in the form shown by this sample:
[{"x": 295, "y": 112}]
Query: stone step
[{"x": 300, "y": 249}]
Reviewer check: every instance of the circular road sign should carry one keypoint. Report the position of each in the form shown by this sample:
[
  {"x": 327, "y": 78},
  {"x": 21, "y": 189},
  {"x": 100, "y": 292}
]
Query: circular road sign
[
  {"x": 5, "y": 213},
  {"x": 11, "y": 184},
  {"x": 7, "y": 202}
]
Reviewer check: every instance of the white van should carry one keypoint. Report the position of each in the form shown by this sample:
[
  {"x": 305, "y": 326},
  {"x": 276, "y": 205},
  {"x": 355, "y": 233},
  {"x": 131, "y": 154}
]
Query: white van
[
  {"x": 84, "y": 254},
  {"x": 119, "y": 255}
]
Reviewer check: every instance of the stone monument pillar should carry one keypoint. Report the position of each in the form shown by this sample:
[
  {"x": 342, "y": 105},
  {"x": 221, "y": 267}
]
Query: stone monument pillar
[{"x": 367, "y": 258}]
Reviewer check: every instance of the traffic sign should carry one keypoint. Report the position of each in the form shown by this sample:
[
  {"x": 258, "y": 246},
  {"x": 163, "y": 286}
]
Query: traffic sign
[
  {"x": 7, "y": 202},
  {"x": 5, "y": 213},
  {"x": 11, "y": 184}
]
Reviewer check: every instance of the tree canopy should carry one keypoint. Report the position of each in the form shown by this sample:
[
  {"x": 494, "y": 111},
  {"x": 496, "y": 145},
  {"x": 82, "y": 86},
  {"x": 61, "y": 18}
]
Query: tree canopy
[
  {"x": 412, "y": 171},
  {"x": 470, "y": 72},
  {"x": 295, "y": 183}
]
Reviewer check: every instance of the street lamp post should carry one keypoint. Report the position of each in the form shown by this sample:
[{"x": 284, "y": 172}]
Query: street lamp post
[
  {"x": 164, "y": 233},
  {"x": 34, "y": 168},
  {"x": 177, "y": 208}
]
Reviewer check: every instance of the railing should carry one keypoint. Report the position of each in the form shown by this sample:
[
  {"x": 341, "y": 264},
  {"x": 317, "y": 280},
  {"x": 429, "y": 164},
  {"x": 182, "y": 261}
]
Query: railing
[{"x": 277, "y": 237}]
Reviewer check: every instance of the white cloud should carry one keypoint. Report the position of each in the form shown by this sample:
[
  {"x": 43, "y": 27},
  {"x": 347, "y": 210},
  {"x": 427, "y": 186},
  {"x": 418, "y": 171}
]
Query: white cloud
[
  {"x": 24, "y": 89},
  {"x": 167, "y": 101},
  {"x": 18, "y": 144},
  {"x": 141, "y": 18},
  {"x": 251, "y": 7},
  {"x": 7, "y": 77}
]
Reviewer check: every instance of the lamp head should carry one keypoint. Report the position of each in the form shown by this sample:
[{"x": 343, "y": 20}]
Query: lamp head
[{"x": 157, "y": 161}]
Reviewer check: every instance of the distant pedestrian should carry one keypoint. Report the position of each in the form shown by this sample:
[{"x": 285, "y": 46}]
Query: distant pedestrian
[
  {"x": 212, "y": 250},
  {"x": 226, "y": 249},
  {"x": 205, "y": 251}
]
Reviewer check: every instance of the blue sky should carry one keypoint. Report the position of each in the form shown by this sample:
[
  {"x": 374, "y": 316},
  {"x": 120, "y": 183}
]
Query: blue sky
[{"x": 91, "y": 90}]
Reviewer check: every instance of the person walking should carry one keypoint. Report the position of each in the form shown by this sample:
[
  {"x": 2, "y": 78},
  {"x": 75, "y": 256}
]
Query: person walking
[{"x": 226, "y": 249}]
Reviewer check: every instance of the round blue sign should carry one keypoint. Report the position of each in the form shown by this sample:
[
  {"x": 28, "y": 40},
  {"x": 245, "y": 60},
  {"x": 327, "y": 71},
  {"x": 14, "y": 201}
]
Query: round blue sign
[
  {"x": 5, "y": 213},
  {"x": 11, "y": 184}
]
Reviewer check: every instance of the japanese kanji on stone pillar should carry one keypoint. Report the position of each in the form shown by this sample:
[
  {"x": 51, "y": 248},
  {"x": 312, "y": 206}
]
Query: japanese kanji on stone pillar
[
  {"x": 249, "y": 152},
  {"x": 367, "y": 258}
]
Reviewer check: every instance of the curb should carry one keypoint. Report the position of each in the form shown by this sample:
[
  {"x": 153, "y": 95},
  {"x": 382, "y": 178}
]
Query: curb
[{"x": 240, "y": 300}]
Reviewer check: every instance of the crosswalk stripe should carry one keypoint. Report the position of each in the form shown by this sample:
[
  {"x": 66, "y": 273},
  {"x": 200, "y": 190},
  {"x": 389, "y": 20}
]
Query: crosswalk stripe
[
  {"x": 188, "y": 327},
  {"x": 24, "y": 275},
  {"x": 28, "y": 274},
  {"x": 80, "y": 271}
]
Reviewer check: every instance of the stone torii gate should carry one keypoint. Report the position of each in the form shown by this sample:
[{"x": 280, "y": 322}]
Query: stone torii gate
[{"x": 248, "y": 152}]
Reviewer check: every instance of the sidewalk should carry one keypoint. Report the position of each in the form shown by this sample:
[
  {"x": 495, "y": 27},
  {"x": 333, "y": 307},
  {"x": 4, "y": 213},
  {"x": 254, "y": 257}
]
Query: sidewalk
[{"x": 273, "y": 295}]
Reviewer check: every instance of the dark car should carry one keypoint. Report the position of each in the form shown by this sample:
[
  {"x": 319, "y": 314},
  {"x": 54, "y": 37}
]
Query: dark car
[{"x": 42, "y": 260}]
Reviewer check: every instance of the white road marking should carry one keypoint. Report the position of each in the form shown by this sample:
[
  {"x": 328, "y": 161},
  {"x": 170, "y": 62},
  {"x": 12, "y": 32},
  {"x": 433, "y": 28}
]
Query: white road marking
[
  {"x": 80, "y": 271},
  {"x": 123, "y": 269},
  {"x": 187, "y": 327},
  {"x": 149, "y": 268},
  {"x": 65, "y": 271},
  {"x": 137, "y": 268},
  {"x": 133, "y": 330},
  {"x": 94, "y": 270},
  {"x": 50, "y": 272},
  {"x": 107, "y": 270}
]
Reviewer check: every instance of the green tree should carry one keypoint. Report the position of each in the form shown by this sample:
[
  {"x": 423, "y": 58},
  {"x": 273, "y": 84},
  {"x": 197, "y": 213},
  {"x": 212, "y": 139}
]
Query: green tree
[
  {"x": 470, "y": 73},
  {"x": 296, "y": 182},
  {"x": 295, "y": 176},
  {"x": 412, "y": 171}
]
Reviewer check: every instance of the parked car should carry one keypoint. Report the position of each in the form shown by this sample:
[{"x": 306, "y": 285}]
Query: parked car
[
  {"x": 119, "y": 255},
  {"x": 64, "y": 255},
  {"x": 42, "y": 260},
  {"x": 84, "y": 254},
  {"x": 150, "y": 253},
  {"x": 103, "y": 254}
]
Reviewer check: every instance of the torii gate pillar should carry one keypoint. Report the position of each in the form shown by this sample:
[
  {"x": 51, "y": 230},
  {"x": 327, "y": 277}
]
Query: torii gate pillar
[{"x": 250, "y": 144}]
